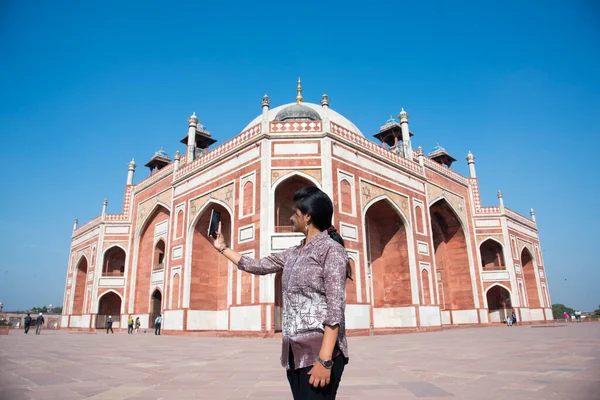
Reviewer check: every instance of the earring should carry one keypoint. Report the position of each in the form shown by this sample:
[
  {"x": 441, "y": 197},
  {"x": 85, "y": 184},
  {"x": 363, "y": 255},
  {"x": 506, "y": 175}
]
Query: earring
[{"x": 306, "y": 227}]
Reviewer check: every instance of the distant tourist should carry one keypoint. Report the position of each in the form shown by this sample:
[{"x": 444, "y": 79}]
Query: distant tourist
[
  {"x": 566, "y": 316},
  {"x": 578, "y": 315},
  {"x": 39, "y": 321},
  {"x": 157, "y": 324},
  {"x": 514, "y": 318},
  {"x": 137, "y": 325},
  {"x": 314, "y": 350},
  {"x": 27, "y": 322},
  {"x": 130, "y": 325},
  {"x": 109, "y": 323}
]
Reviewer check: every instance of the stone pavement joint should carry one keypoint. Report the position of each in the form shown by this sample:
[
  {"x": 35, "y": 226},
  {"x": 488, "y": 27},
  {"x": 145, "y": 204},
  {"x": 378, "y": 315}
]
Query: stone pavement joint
[{"x": 515, "y": 363}]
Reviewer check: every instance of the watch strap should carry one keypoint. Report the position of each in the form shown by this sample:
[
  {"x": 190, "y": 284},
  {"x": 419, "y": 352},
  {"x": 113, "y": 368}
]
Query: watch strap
[{"x": 325, "y": 363}]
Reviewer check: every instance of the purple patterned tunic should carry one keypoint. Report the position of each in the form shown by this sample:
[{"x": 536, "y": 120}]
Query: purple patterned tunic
[{"x": 314, "y": 295}]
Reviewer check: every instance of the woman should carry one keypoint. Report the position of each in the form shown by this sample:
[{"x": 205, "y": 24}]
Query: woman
[
  {"x": 314, "y": 348},
  {"x": 137, "y": 325}
]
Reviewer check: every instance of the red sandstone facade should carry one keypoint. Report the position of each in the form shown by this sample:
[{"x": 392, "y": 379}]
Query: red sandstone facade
[{"x": 424, "y": 252}]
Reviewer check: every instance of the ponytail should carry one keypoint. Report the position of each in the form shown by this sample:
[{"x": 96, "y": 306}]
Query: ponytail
[{"x": 333, "y": 233}]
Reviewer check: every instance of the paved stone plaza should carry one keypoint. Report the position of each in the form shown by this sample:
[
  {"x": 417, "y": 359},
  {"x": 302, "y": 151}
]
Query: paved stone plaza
[{"x": 522, "y": 362}]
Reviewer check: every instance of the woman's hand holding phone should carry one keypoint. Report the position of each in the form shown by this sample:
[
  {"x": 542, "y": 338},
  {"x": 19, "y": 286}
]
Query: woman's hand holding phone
[{"x": 217, "y": 241}]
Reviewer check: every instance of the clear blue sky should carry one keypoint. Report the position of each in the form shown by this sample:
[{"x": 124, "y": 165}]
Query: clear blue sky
[{"x": 84, "y": 87}]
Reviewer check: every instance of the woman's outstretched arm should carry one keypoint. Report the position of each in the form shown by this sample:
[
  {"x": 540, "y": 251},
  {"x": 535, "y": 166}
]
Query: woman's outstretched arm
[{"x": 267, "y": 265}]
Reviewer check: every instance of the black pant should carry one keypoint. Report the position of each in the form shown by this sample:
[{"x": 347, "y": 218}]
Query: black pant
[
  {"x": 303, "y": 390},
  {"x": 157, "y": 329},
  {"x": 130, "y": 329},
  {"x": 26, "y": 328},
  {"x": 109, "y": 328}
]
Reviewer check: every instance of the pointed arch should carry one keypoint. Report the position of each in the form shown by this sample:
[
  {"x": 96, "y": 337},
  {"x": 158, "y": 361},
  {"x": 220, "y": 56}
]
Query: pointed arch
[
  {"x": 282, "y": 193},
  {"x": 528, "y": 268},
  {"x": 291, "y": 175},
  {"x": 79, "y": 260},
  {"x": 199, "y": 213},
  {"x": 79, "y": 281},
  {"x": 148, "y": 217},
  {"x": 526, "y": 247},
  {"x": 500, "y": 301},
  {"x": 110, "y": 291},
  {"x": 143, "y": 256},
  {"x": 175, "y": 284},
  {"x": 452, "y": 257},
  {"x": 159, "y": 254},
  {"x": 192, "y": 254},
  {"x": 180, "y": 223},
  {"x": 109, "y": 304},
  {"x": 345, "y": 195},
  {"x": 502, "y": 286},
  {"x": 410, "y": 268},
  {"x": 113, "y": 262},
  {"x": 156, "y": 306},
  {"x": 491, "y": 252},
  {"x": 451, "y": 206}
]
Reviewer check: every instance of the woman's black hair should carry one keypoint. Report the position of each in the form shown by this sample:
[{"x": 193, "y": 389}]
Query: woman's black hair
[{"x": 314, "y": 202}]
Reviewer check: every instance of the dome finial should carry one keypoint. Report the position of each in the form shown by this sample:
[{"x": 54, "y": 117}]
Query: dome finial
[
  {"x": 299, "y": 90},
  {"x": 266, "y": 101}
]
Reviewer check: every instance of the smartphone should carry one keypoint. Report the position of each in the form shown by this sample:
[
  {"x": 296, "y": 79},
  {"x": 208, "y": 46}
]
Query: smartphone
[{"x": 213, "y": 226}]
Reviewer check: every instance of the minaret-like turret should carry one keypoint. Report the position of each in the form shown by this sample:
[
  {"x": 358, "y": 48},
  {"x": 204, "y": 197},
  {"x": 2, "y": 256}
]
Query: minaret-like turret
[
  {"x": 198, "y": 138},
  {"x": 532, "y": 215},
  {"x": 501, "y": 201},
  {"x": 396, "y": 135},
  {"x": 440, "y": 155},
  {"x": 177, "y": 158},
  {"x": 104, "y": 205},
  {"x": 130, "y": 171},
  {"x": 471, "y": 162},
  {"x": 75, "y": 224},
  {"x": 403, "y": 116},
  {"x": 192, "y": 124},
  {"x": 265, "y": 106},
  {"x": 159, "y": 160},
  {"x": 421, "y": 156}
]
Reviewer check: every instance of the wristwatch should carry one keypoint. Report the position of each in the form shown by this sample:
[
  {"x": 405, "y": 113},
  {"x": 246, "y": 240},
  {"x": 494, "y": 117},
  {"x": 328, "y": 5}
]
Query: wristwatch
[{"x": 326, "y": 363}]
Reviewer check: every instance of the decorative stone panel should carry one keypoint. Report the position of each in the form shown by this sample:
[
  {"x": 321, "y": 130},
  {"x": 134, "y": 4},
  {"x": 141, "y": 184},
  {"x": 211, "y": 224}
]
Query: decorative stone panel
[
  {"x": 456, "y": 201},
  {"x": 224, "y": 194},
  {"x": 146, "y": 206},
  {"x": 313, "y": 172},
  {"x": 370, "y": 191}
]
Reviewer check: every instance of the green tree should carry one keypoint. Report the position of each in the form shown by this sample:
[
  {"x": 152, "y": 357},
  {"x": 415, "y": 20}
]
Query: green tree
[
  {"x": 596, "y": 313},
  {"x": 559, "y": 309}
]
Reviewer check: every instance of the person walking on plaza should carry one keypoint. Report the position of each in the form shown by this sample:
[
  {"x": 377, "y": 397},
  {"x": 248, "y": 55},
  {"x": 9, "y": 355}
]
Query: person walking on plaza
[
  {"x": 566, "y": 316},
  {"x": 130, "y": 325},
  {"x": 109, "y": 323},
  {"x": 137, "y": 325},
  {"x": 314, "y": 348},
  {"x": 27, "y": 322},
  {"x": 157, "y": 323},
  {"x": 39, "y": 321}
]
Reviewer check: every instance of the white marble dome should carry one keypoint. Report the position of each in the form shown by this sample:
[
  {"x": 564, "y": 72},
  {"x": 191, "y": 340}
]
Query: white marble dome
[{"x": 334, "y": 116}]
